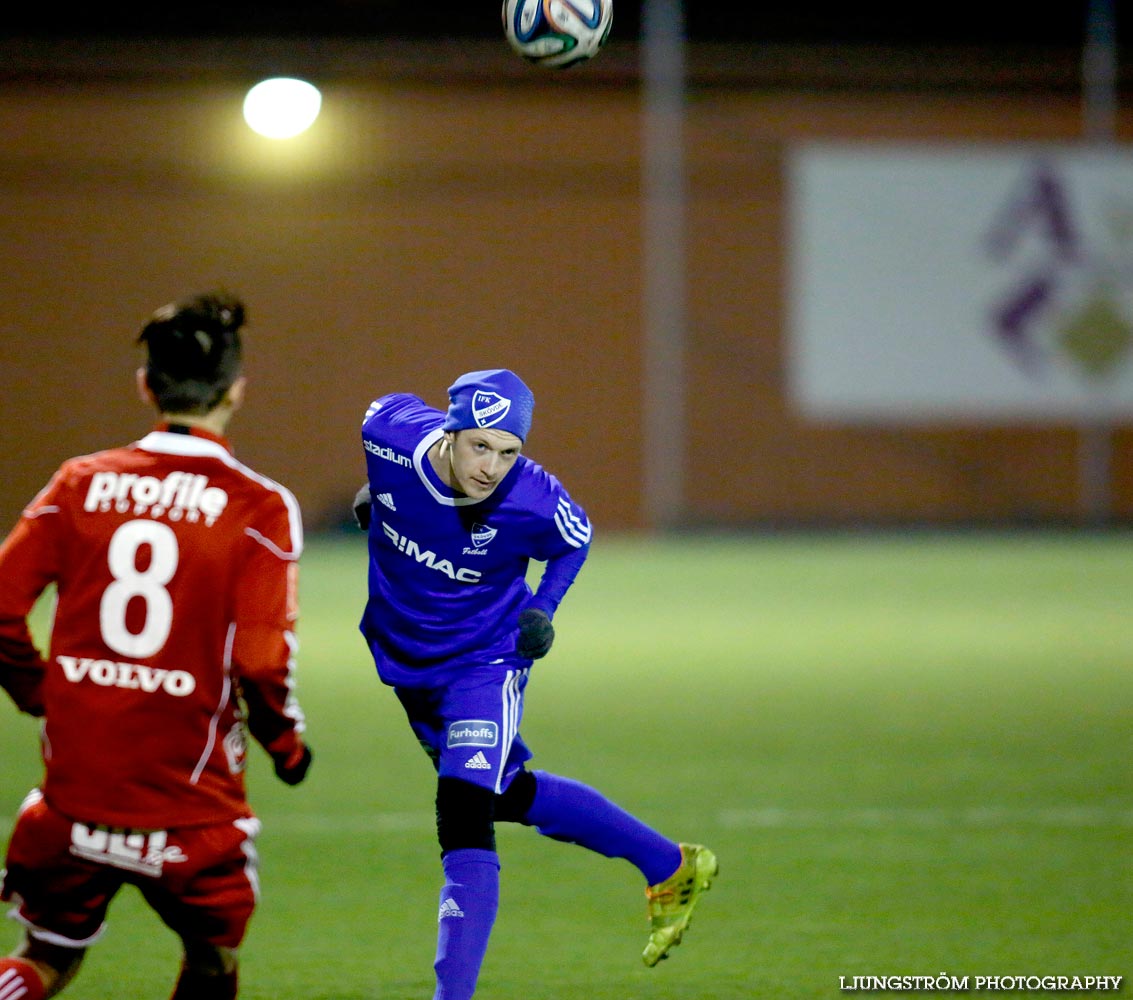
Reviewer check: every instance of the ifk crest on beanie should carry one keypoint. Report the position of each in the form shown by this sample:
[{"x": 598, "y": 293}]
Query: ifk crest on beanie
[{"x": 495, "y": 398}]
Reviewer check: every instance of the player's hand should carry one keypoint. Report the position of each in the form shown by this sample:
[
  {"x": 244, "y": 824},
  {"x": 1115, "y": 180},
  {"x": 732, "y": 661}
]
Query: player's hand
[
  {"x": 362, "y": 508},
  {"x": 291, "y": 767},
  {"x": 536, "y": 633}
]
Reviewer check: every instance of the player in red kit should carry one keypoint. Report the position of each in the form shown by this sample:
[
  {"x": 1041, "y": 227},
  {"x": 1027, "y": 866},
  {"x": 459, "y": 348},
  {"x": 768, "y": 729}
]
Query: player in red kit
[{"x": 175, "y": 571}]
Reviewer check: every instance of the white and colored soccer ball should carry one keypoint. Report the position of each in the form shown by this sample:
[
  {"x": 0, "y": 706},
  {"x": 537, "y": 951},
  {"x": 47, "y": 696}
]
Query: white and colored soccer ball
[{"x": 557, "y": 33}]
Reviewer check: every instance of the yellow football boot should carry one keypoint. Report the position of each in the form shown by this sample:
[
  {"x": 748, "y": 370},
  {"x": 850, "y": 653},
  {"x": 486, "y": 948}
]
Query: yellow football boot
[{"x": 671, "y": 902}]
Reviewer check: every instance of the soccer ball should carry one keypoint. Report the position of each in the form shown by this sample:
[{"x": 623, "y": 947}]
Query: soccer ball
[{"x": 557, "y": 33}]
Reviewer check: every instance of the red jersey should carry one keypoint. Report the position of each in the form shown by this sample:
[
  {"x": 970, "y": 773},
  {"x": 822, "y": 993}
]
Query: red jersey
[{"x": 176, "y": 571}]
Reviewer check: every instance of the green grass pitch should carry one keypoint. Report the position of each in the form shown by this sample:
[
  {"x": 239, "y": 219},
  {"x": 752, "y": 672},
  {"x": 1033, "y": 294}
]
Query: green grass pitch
[{"x": 912, "y": 754}]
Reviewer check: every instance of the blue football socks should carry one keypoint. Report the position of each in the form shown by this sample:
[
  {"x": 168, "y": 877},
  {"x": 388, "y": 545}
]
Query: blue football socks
[
  {"x": 570, "y": 811},
  {"x": 468, "y": 905}
]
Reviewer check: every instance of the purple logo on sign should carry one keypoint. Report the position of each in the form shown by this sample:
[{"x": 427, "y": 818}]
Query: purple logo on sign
[{"x": 1062, "y": 300}]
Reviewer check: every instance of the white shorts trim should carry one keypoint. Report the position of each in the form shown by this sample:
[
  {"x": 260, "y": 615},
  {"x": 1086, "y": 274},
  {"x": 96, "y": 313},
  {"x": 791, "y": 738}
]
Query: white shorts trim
[{"x": 50, "y": 937}]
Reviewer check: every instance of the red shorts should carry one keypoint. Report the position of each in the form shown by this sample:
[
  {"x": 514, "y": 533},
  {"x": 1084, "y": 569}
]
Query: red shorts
[{"x": 201, "y": 880}]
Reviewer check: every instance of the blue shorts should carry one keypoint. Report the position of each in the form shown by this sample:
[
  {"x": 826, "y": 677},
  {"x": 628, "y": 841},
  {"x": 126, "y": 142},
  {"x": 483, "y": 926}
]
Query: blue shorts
[{"x": 470, "y": 727}]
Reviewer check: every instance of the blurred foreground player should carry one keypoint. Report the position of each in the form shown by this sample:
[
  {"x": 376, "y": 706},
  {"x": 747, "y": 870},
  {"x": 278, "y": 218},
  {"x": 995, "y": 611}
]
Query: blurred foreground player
[
  {"x": 454, "y": 514},
  {"x": 175, "y": 569}
]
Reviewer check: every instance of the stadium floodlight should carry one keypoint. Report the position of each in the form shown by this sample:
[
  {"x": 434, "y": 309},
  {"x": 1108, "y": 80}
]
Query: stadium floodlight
[{"x": 282, "y": 107}]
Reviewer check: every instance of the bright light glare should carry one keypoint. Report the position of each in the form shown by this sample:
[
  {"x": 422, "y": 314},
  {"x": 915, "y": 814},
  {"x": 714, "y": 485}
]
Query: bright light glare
[{"x": 282, "y": 107}]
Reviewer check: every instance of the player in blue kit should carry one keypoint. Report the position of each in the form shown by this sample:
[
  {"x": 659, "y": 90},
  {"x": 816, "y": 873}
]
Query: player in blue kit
[{"x": 455, "y": 513}]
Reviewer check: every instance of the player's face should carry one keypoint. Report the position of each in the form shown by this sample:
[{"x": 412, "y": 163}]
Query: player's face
[{"x": 480, "y": 459}]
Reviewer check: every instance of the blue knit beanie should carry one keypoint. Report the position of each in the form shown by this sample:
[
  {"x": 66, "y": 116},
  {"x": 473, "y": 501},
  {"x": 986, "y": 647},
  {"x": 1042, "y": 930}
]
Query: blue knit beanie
[{"x": 496, "y": 398}]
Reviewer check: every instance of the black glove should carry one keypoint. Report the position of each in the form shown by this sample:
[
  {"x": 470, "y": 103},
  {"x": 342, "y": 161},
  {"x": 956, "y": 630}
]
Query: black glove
[
  {"x": 362, "y": 507},
  {"x": 536, "y": 633},
  {"x": 291, "y": 767},
  {"x": 24, "y": 684}
]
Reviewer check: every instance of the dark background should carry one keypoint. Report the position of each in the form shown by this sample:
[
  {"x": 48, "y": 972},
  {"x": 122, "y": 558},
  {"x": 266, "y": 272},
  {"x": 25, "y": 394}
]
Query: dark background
[
  {"x": 455, "y": 186},
  {"x": 1061, "y": 23}
]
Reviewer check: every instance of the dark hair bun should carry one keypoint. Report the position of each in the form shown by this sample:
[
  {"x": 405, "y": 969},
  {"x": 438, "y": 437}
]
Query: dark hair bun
[{"x": 194, "y": 350}]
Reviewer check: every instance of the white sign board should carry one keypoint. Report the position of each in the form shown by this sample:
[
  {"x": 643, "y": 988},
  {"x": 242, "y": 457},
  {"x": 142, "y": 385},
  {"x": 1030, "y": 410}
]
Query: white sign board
[{"x": 960, "y": 283}]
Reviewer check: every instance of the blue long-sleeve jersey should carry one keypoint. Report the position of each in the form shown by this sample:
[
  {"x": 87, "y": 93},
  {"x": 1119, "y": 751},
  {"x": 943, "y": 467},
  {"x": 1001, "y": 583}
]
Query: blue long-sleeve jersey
[{"x": 448, "y": 574}]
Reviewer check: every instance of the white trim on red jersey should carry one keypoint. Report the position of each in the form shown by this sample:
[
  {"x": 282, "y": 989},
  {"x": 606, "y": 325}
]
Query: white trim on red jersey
[{"x": 168, "y": 443}]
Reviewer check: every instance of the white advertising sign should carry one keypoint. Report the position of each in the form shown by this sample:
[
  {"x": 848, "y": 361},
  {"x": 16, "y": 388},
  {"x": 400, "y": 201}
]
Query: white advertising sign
[{"x": 960, "y": 283}]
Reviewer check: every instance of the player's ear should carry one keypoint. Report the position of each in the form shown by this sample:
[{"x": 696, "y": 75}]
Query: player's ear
[{"x": 145, "y": 393}]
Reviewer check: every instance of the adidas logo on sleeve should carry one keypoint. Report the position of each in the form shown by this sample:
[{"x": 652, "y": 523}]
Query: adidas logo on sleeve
[
  {"x": 449, "y": 908},
  {"x": 478, "y": 762}
]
